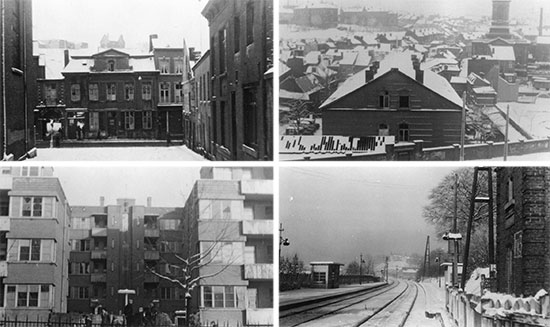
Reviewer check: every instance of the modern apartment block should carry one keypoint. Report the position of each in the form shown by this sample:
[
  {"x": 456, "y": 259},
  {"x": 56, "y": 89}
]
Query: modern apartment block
[
  {"x": 115, "y": 247},
  {"x": 34, "y": 229},
  {"x": 229, "y": 225}
]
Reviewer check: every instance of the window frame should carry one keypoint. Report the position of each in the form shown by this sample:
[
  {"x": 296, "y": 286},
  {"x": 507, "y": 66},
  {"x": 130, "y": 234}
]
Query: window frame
[
  {"x": 75, "y": 92},
  {"x": 164, "y": 92},
  {"x": 93, "y": 92},
  {"x": 129, "y": 91},
  {"x": 147, "y": 120},
  {"x": 129, "y": 120},
  {"x": 209, "y": 293},
  {"x": 147, "y": 91},
  {"x": 111, "y": 91}
]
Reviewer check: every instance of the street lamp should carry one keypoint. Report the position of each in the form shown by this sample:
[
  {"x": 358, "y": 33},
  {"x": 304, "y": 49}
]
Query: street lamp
[
  {"x": 126, "y": 292},
  {"x": 282, "y": 241}
]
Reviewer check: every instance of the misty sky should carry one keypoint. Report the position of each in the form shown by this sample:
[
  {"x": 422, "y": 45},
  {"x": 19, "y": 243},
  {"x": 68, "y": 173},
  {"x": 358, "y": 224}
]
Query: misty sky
[
  {"x": 167, "y": 185},
  {"x": 334, "y": 214},
  {"x": 88, "y": 21},
  {"x": 477, "y": 8}
]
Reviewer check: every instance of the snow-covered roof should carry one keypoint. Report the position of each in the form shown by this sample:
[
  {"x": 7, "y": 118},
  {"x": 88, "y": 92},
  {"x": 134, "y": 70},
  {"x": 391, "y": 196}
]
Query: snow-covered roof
[
  {"x": 284, "y": 94},
  {"x": 312, "y": 58},
  {"x": 504, "y": 53},
  {"x": 484, "y": 90},
  {"x": 348, "y": 58},
  {"x": 458, "y": 80},
  {"x": 142, "y": 64},
  {"x": 543, "y": 39},
  {"x": 401, "y": 61}
]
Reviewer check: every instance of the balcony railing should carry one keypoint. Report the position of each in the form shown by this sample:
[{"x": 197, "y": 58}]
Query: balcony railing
[
  {"x": 258, "y": 271},
  {"x": 99, "y": 254},
  {"x": 151, "y": 255},
  {"x": 98, "y": 278},
  {"x": 99, "y": 232},
  {"x": 259, "y": 188},
  {"x": 149, "y": 232},
  {"x": 258, "y": 227}
]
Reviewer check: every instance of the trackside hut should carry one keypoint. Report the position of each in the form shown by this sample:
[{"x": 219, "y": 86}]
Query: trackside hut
[
  {"x": 395, "y": 97},
  {"x": 325, "y": 274}
]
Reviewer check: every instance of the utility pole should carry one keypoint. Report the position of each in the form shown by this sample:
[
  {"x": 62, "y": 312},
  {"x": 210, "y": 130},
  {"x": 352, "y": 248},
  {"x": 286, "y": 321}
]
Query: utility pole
[
  {"x": 386, "y": 269},
  {"x": 426, "y": 257},
  {"x": 506, "y": 133},
  {"x": 360, "y": 268},
  {"x": 455, "y": 230},
  {"x": 463, "y": 127}
]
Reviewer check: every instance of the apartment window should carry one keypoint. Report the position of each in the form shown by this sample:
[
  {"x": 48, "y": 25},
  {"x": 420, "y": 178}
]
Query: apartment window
[
  {"x": 169, "y": 246},
  {"x": 178, "y": 65},
  {"x": 249, "y": 22},
  {"x": 79, "y": 268},
  {"x": 164, "y": 92},
  {"x": 404, "y": 101},
  {"x": 236, "y": 34},
  {"x": 30, "y": 171},
  {"x": 164, "y": 64},
  {"x": 147, "y": 119},
  {"x": 32, "y": 207},
  {"x": 111, "y": 92},
  {"x": 177, "y": 93},
  {"x": 169, "y": 224},
  {"x": 27, "y": 295},
  {"x": 93, "y": 92},
  {"x": 79, "y": 292},
  {"x": 4, "y": 203},
  {"x": 29, "y": 250},
  {"x": 146, "y": 91},
  {"x": 94, "y": 121},
  {"x": 51, "y": 94},
  {"x": 221, "y": 46},
  {"x": 129, "y": 91},
  {"x": 129, "y": 120},
  {"x": 80, "y": 245},
  {"x": 222, "y": 253},
  {"x": 75, "y": 92},
  {"x": 384, "y": 100},
  {"x": 403, "y": 132},
  {"x": 383, "y": 130},
  {"x": 111, "y": 65},
  {"x": 219, "y": 297},
  {"x": 250, "y": 117}
]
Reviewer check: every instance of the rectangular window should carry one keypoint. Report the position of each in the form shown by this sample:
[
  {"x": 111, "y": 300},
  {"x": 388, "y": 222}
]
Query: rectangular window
[
  {"x": 164, "y": 92},
  {"x": 404, "y": 101},
  {"x": 147, "y": 118},
  {"x": 51, "y": 94},
  {"x": 219, "y": 297},
  {"x": 146, "y": 91},
  {"x": 80, "y": 292},
  {"x": 111, "y": 92},
  {"x": 236, "y": 34},
  {"x": 178, "y": 64},
  {"x": 94, "y": 121},
  {"x": 80, "y": 245},
  {"x": 129, "y": 91},
  {"x": 29, "y": 250},
  {"x": 518, "y": 244},
  {"x": 221, "y": 46},
  {"x": 250, "y": 116},
  {"x": 320, "y": 277},
  {"x": 177, "y": 93},
  {"x": 129, "y": 120},
  {"x": 249, "y": 22},
  {"x": 164, "y": 64},
  {"x": 93, "y": 92},
  {"x": 75, "y": 92},
  {"x": 38, "y": 207},
  {"x": 30, "y": 171},
  {"x": 384, "y": 101}
]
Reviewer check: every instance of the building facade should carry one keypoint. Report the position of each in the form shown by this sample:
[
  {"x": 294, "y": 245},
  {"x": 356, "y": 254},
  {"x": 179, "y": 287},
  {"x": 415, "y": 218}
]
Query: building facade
[
  {"x": 241, "y": 52},
  {"x": 229, "y": 214},
  {"x": 523, "y": 230},
  {"x": 321, "y": 16},
  {"x": 34, "y": 230},
  {"x": 118, "y": 246},
  {"x": 203, "y": 117},
  {"x": 18, "y": 74}
]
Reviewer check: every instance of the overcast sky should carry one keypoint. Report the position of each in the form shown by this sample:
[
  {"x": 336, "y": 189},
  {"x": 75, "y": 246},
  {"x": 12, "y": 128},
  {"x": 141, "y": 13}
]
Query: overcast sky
[
  {"x": 168, "y": 186},
  {"x": 518, "y": 8},
  {"x": 89, "y": 20},
  {"x": 334, "y": 214}
]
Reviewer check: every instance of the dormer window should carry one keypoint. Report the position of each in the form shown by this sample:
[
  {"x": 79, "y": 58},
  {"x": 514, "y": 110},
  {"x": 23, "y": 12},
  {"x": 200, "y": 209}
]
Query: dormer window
[{"x": 111, "y": 65}]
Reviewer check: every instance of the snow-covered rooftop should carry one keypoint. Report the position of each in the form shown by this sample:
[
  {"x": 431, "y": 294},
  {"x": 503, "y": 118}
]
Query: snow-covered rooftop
[
  {"x": 504, "y": 53},
  {"x": 401, "y": 61}
]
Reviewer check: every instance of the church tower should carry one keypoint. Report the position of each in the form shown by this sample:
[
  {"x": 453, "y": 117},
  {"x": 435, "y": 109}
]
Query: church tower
[{"x": 500, "y": 25}]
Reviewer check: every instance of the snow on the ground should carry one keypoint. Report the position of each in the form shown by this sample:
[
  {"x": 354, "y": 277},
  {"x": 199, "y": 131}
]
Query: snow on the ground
[
  {"x": 540, "y": 156},
  {"x": 473, "y": 284},
  {"x": 157, "y": 153}
]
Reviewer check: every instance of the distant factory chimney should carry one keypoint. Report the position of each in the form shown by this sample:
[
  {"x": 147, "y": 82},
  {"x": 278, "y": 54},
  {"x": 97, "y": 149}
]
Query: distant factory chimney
[
  {"x": 541, "y": 21},
  {"x": 151, "y": 37},
  {"x": 66, "y": 57},
  {"x": 149, "y": 201}
]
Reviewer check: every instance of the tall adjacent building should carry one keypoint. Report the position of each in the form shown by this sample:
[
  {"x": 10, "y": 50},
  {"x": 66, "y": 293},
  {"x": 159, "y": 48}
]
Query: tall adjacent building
[
  {"x": 18, "y": 74},
  {"x": 34, "y": 250},
  {"x": 229, "y": 222},
  {"x": 241, "y": 53},
  {"x": 116, "y": 247},
  {"x": 523, "y": 230}
]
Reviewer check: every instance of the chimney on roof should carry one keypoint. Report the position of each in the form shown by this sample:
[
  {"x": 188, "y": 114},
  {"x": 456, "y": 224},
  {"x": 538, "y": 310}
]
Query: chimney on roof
[
  {"x": 541, "y": 22},
  {"x": 101, "y": 201},
  {"x": 419, "y": 74},
  {"x": 66, "y": 57},
  {"x": 373, "y": 69},
  {"x": 151, "y": 37},
  {"x": 149, "y": 201}
]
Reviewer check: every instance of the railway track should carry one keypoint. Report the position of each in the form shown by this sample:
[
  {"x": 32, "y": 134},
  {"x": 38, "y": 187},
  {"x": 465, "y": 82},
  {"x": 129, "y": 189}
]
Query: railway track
[{"x": 360, "y": 309}]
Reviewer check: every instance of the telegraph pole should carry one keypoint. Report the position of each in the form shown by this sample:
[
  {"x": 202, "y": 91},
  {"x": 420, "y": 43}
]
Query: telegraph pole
[
  {"x": 426, "y": 257},
  {"x": 360, "y": 268},
  {"x": 506, "y": 136},
  {"x": 455, "y": 230},
  {"x": 386, "y": 269}
]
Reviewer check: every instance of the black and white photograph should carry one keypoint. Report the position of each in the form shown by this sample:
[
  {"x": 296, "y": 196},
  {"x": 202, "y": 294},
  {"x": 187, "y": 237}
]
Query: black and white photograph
[
  {"x": 158, "y": 247},
  {"x": 414, "y": 246},
  {"x": 137, "y": 80},
  {"x": 420, "y": 80}
]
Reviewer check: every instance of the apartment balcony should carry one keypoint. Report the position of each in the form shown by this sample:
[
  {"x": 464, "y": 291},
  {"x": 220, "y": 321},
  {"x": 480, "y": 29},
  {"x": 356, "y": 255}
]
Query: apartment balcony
[
  {"x": 257, "y": 227},
  {"x": 98, "y": 278},
  {"x": 99, "y": 255},
  {"x": 261, "y": 316},
  {"x": 3, "y": 269},
  {"x": 151, "y": 278},
  {"x": 257, "y": 188},
  {"x": 99, "y": 232},
  {"x": 5, "y": 224},
  {"x": 152, "y": 233},
  {"x": 263, "y": 271},
  {"x": 151, "y": 255}
]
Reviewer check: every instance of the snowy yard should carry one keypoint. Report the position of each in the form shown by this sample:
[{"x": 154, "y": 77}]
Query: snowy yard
[{"x": 159, "y": 153}]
